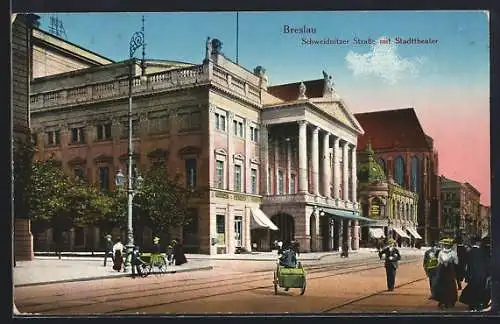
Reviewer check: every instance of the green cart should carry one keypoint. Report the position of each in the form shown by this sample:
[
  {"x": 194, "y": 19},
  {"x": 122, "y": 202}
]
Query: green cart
[{"x": 290, "y": 278}]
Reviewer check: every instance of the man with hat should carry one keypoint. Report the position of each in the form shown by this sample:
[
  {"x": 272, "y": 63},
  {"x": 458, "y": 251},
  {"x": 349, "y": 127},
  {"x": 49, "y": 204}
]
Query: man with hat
[
  {"x": 108, "y": 248},
  {"x": 156, "y": 245},
  {"x": 391, "y": 257}
]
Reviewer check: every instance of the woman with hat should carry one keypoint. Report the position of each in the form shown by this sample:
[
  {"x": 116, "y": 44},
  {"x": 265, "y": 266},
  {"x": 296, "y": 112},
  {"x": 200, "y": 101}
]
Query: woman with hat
[
  {"x": 108, "y": 248},
  {"x": 446, "y": 283},
  {"x": 179, "y": 257},
  {"x": 391, "y": 257}
]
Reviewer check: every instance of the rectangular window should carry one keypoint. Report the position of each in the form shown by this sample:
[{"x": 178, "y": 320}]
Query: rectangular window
[
  {"x": 104, "y": 178},
  {"x": 237, "y": 177},
  {"x": 104, "y": 131},
  {"x": 238, "y": 128},
  {"x": 189, "y": 121},
  {"x": 220, "y": 122},
  {"x": 79, "y": 173},
  {"x": 191, "y": 173},
  {"x": 219, "y": 180},
  {"x": 53, "y": 138},
  {"x": 158, "y": 124},
  {"x": 78, "y": 135},
  {"x": 220, "y": 224},
  {"x": 254, "y": 134},
  {"x": 293, "y": 184},
  {"x": 253, "y": 179},
  {"x": 235, "y": 127},
  {"x": 135, "y": 127},
  {"x": 280, "y": 182},
  {"x": 269, "y": 181}
]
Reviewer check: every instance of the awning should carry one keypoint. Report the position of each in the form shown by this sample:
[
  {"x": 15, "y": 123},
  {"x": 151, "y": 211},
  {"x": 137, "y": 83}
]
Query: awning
[
  {"x": 354, "y": 215},
  {"x": 414, "y": 233},
  {"x": 376, "y": 232},
  {"x": 260, "y": 220},
  {"x": 400, "y": 232}
]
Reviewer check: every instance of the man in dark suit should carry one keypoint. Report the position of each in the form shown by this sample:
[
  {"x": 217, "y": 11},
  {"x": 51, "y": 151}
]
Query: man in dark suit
[{"x": 391, "y": 257}]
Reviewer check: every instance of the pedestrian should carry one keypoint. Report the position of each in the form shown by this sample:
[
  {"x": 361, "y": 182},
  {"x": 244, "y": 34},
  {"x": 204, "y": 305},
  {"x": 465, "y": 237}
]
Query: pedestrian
[
  {"x": 446, "y": 283},
  {"x": 431, "y": 267},
  {"x": 460, "y": 267},
  {"x": 280, "y": 247},
  {"x": 476, "y": 294},
  {"x": 156, "y": 245},
  {"x": 108, "y": 248},
  {"x": 391, "y": 257},
  {"x": 170, "y": 255},
  {"x": 118, "y": 255},
  {"x": 345, "y": 250},
  {"x": 179, "y": 256},
  {"x": 137, "y": 262}
]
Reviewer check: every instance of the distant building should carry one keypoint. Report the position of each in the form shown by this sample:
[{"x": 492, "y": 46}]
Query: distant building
[
  {"x": 407, "y": 155},
  {"x": 461, "y": 209},
  {"x": 485, "y": 220},
  {"x": 393, "y": 208},
  {"x": 267, "y": 163}
]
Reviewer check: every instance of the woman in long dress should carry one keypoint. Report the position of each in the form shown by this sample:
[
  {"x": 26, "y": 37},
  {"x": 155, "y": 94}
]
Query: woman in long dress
[
  {"x": 178, "y": 252},
  {"x": 446, "y": 284}
]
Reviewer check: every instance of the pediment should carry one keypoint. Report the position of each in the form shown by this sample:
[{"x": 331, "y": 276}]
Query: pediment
[
  {"x": 221, "y": 151},
  {"x": 102, "y": 158},
  {"x": 239, "y": 157},
  {"x": 189, "y": 150},
  {"x": 254, "y": 161},
  {"x": 77, "y": 161},
  {"x": 158, "y": 153},
  {"x": 338, "y": 110}
]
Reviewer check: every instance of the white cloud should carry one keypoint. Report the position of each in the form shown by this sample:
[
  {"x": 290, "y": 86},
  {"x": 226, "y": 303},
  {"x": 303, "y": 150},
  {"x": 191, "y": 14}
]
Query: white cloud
[{"x": 383, "y": 61}]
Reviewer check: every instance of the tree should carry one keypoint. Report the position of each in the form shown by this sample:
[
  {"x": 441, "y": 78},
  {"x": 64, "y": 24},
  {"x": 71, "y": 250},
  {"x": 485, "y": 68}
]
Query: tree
[{"x": 162, "y": 201}]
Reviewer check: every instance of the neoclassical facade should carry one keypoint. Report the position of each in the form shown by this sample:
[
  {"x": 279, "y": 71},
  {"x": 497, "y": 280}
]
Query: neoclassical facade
[
  {"x": 408, "y": 156},
  {"x": 251, "y": 152},
  {"x": 392, "y": 208}
]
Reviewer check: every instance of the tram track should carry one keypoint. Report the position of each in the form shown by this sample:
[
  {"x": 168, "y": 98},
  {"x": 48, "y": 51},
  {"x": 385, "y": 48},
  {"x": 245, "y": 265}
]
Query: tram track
[
  {"x": 193, "y": 285},
  {"x": 367, "y": 296},
  {"x": 187, "y": 282}
]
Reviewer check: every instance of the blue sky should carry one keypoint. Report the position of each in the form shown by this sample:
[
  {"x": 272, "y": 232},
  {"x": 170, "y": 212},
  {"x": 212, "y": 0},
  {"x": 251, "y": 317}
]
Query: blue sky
[
  {"x": 446, "y": 83},
  {"x": 462, "y": 36}
]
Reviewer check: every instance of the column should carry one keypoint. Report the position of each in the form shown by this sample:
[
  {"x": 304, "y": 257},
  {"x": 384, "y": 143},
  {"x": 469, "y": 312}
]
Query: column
[
  {"x": 230, "y": 241},
  {"x": 264, "y": 159},
  {"x": 247, "y": 183},
  {"x": 230, "y": 151},
  {"x": 326, "y": 166},
  {"x": 303, "y": 156},
  {"x": 276, "y": 165},
  {"x": 315, "y": 238},
  {"x": 315, "y": 161},
  {"x": 345, "y": 164},
  {"x": 348, "y": 225},
  {"x": 354, "y": 176},
  {"x": 340, "y": 228},
  {"x": 289, "y": 165},
  {"x": 336, "y": 168},
  {"x": 331, "y": 231},
  {"x": 355, "y": 235},
  {"x": 246, "y": 229},
  {"x": 211, "y": 149}
]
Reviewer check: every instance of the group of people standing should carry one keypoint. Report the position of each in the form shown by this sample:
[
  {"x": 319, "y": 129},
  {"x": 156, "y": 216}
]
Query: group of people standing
[
  {"x": 448, "y": 265},
  {"x": 117, "y": 252}
]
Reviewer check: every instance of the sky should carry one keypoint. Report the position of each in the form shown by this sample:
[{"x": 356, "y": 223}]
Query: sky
[{"x": 446, "y": 82}]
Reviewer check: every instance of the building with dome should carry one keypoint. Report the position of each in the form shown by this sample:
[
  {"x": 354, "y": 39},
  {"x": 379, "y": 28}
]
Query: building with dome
[{"x": 392, "y": 208}]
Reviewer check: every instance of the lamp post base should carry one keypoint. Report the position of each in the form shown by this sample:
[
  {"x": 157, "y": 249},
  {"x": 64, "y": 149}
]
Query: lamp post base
[{"x": 130, "y": 249}]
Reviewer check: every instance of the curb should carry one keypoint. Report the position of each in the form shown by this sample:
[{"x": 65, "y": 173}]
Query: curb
[{"x": 107, "y": 277}]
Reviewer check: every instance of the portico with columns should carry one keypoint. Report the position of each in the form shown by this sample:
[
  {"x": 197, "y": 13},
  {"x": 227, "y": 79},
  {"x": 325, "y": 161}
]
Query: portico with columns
[{"x": 311, "y": 162}]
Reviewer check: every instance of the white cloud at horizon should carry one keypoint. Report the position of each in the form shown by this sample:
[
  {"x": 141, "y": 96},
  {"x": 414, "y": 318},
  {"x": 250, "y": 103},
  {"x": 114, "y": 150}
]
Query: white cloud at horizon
[{"x": 384, "y": 62}]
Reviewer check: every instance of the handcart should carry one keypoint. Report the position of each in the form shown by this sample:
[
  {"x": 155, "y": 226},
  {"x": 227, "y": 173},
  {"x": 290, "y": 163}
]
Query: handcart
[{"x": 287, "y": 278}]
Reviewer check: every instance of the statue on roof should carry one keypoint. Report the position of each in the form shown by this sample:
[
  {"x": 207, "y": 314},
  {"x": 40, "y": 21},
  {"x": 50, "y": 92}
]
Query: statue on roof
[
  {"x": 216, "y": 46},
  {"x": 208, "y": 48},
  {"x": 302, "y": 91},
  {"x": 328, "y": 84},
  {"x": 261, "y": 73}
]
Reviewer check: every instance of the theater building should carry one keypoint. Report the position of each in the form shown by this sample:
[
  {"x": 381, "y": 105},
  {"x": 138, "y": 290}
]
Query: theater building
[
  {"x": 266, "y": 162},
  {"x": 407, "y": 155}
]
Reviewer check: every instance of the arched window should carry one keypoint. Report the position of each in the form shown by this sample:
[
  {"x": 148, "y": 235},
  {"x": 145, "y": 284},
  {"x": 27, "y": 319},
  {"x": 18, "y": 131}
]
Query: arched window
[
  {"x": 382, "y": 163},
  {"x": 399, "y": 171},
  {"x": 415, "y": 174}
]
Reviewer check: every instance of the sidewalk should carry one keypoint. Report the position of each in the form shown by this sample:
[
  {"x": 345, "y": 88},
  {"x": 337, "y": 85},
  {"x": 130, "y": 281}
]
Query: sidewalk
[{"x": 45, "y": 270}]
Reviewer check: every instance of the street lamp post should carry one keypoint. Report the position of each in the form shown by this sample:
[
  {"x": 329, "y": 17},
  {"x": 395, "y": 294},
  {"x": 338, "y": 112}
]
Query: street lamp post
[{"x": 136, "y": 42}]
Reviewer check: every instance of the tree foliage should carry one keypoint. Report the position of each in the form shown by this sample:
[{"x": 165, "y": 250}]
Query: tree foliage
[{"x": 162, "y": 201}]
